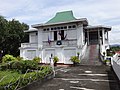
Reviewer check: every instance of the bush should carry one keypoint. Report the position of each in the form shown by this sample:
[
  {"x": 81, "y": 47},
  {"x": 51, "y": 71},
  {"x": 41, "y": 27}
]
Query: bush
[
  {"x": 55, "y": 59},
  {"x": 19, "y": 58},
  {"x": 13, "y": 77},
  {"x": 37, "y": 59},
  {"x": 8, "y": 58},
  {"x": 75, "y": 59},
  {"x": 20, "y": 66}
]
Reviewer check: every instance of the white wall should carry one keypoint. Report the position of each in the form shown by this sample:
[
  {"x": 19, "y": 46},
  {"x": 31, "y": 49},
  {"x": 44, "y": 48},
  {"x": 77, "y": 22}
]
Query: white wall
[
  {"x": 68, "y": 53},
  {"x": 71, "y": 34},
  {"x": 80, "y": 35},
  {"x": 33, "y": 37},
  {"x": 45, "y": 36},
  {"x": 40, "y": 38}
]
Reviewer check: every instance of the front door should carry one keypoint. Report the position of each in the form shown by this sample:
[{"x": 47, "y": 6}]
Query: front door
[{"x": 93, "y": 37}]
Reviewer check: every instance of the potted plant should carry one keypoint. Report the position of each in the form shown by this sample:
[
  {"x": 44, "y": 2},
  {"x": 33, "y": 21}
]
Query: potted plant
[
  {"x": 107, "y": 62},
  {"x": 75, "y": 60},
  {"x": 55, "y": 60},
  {"x": 37, "y": 59}
]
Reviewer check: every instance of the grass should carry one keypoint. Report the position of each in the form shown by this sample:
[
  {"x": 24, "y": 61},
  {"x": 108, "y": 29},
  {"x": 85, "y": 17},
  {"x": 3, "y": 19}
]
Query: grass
[{"x": 8, "y": 76}]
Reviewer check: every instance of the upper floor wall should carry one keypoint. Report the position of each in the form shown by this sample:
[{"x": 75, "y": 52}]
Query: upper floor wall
[{"x": 33, "y": 37}]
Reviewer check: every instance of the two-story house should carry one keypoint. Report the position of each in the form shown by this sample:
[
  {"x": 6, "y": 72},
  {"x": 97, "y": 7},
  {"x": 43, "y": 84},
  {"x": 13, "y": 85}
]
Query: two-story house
[{"x": 63, "y": 36}]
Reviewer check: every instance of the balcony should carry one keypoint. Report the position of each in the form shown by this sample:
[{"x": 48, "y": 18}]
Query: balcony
[
  {"x": 26, "y": 45},
  {"x": 72, "y": 42}
]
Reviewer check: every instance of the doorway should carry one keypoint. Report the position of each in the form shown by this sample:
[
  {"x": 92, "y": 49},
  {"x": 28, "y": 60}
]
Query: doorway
[{"x": 93, "y": 37}]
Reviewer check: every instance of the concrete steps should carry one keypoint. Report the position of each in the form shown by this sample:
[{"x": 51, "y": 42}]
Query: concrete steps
[{"x": 92, "y": 56}]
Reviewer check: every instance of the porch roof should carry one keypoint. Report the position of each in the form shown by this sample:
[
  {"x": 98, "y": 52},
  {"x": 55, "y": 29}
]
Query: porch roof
[
  {"x": 98, "y": 27},
  {"x": 31, "y": 30}
]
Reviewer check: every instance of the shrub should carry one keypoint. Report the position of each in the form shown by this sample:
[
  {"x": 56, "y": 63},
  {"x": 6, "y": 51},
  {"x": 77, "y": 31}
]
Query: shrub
[
  {"x": 37, "y": 59},
  {"x": 55, "y": 59},
  {"x": 4, "y": 66},
  {"x": 19, "y": 58},
  {"x": 8, "y": 58},
  {"x": 74, "y": 59},
  {"x": 20, "y": 66}
]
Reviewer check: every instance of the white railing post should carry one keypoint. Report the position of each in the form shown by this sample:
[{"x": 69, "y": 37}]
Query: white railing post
[{"x": 52, "y": 64}]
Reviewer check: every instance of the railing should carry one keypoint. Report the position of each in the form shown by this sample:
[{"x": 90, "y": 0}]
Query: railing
[
  {"x": 72, "y": 42},
  {"x": 101, "y": 51},
  {"x": 84, "y": 48},
  {"x": 23, "y": 45},
  {"x": 115, "y": 62}
]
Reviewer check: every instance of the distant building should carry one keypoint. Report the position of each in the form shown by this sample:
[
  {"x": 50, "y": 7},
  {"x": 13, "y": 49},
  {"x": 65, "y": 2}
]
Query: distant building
[{"x": 63, "y": 36}]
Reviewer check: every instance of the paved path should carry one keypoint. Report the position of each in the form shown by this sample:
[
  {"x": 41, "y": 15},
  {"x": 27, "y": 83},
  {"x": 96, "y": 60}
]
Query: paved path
[{"x": 82, "y": 78}]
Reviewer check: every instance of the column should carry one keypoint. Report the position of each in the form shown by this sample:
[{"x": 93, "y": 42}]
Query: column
[
  {"x": 107, "y": 35},
  {"x": 88, "y": 37},
  {"x": 103, "y": 36},
  {"x": 98, "y": 36}
]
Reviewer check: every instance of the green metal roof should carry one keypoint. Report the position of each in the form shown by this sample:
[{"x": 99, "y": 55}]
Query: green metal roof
[{"x": 62, "y": 17}]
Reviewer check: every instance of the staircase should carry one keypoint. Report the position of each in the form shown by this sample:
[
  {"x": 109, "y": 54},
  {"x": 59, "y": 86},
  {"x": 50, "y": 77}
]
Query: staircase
[{"x": 91, "y": 56}]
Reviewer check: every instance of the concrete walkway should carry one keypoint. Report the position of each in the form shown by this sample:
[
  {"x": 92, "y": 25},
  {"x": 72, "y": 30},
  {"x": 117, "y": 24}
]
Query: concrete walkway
[{"x": 82, "y": 78}]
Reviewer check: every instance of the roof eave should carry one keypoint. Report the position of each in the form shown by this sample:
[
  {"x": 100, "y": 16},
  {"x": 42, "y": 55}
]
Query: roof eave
[
  {"x": 84, "y": 20},
  {"x": 99, "y": 26},
  {"x": 28, "y": 31}
]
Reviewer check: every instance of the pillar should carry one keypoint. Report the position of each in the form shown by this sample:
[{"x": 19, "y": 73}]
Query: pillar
[
  {"x": 103, "y": 36},
  {"x": 98, "y": 36},
  {"x": 88, "y": 37}
]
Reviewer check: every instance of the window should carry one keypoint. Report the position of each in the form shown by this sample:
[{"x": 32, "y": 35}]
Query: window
[
  {"x": 47, "y": 29},
  {"x": 69, "y": 26},
  {"x": 55, "y": 28},
  {"x": 62, "y": 35},
  {"x": 51, "y": 28},
  {"x": 36, "y": 33},
  {"x": 65, "y": 27},
  {"x": 55, "y": 35},
  {"x": 61, "y": 27},
  {"x": 58, "y": 28},
  {"x": 44, "y": 29},
  {"x": 73, "y": 26}
]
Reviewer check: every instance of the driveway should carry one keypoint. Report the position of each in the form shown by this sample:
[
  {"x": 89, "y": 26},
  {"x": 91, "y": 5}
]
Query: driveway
[{"x": 82, "y": 78}]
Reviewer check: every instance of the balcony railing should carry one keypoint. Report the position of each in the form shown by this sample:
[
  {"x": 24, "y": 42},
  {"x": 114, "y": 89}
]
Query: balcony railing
[
  {"x": 72, "y": 42},
  {"x": 24, "y": 45}
]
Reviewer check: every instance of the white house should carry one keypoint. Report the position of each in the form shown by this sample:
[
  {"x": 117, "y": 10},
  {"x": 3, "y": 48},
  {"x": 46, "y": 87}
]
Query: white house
[{"x": 63, "y": 36}]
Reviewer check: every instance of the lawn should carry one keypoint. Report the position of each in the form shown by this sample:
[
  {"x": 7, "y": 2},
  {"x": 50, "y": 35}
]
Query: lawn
[{"x": 8, "y": 76}]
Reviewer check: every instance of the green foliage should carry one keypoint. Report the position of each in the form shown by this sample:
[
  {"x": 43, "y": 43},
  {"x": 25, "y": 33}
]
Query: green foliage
[
  {"x": 8, "y": 76},
  {"x": 105, "y": 61},
  {"x": 12, "y": 77},
  {"x": 11, "y": 35},
  {"x": 75, "y": 59},
  {"x": 19, "y": 58},
  {"x": 37, "y": 59},
  {"x": 55, "y": 59},
  {"x": 114, "y": 49},
  {"x": 20, "y": 66},
  {"x": 8, "y": 58}
]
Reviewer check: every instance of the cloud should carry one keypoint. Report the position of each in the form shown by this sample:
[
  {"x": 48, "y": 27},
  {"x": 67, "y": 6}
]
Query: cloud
[{"x": 105, "y": 12}]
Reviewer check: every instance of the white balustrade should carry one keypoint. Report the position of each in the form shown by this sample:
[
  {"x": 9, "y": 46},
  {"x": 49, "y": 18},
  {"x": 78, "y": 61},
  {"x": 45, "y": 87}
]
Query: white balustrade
[{"x": 23, "y": 45}]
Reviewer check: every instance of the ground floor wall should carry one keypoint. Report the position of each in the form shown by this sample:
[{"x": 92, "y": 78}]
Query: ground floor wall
[{"x": 63, "y": 53}]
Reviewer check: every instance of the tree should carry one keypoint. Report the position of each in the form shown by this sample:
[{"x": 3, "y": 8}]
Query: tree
[{"x": 11, "y": 35}]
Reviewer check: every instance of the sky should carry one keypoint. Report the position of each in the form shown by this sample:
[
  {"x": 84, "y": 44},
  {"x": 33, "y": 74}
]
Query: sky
[{"x": 97, "y": 12}]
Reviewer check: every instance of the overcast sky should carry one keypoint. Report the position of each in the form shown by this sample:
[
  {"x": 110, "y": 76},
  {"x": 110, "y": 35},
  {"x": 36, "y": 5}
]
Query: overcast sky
[{"x": 98, "y": 12}]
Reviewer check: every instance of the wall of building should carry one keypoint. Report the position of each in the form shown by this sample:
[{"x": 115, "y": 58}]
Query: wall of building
[
  {"x": 33, "y": 37},
  {"x": 80, "y": 36}
]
